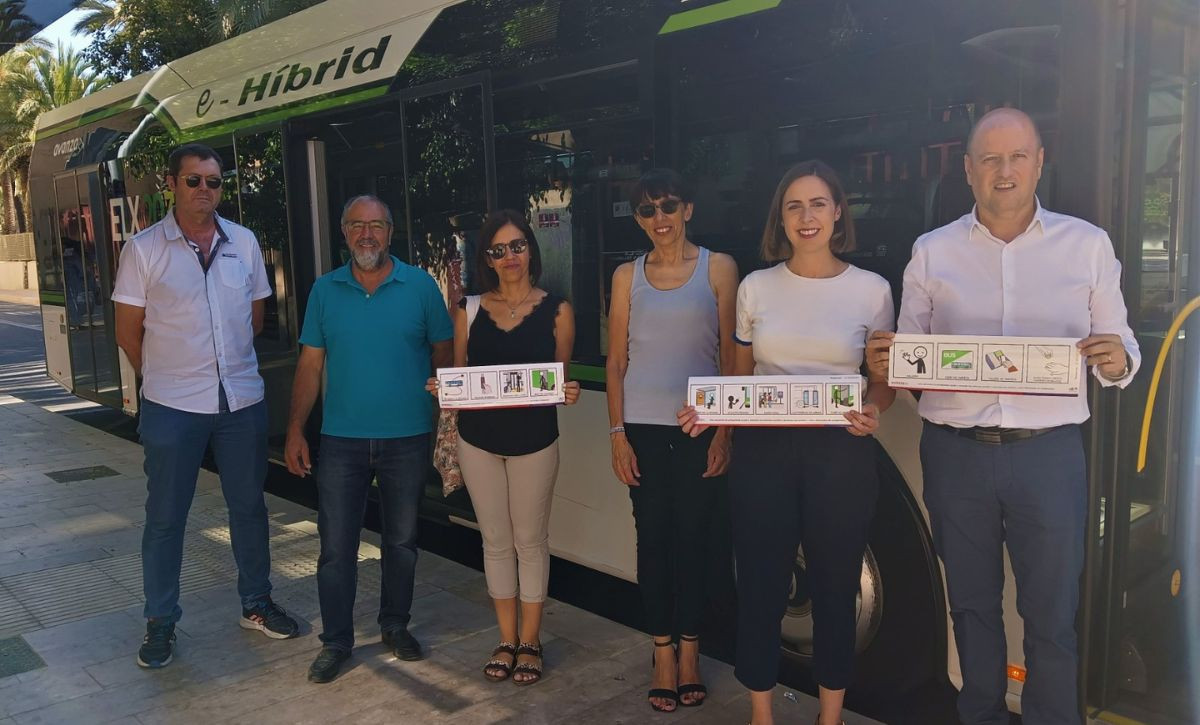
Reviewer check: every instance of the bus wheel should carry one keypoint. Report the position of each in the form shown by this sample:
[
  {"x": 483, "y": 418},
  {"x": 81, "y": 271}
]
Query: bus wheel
[
  {"x": 796, "y": 627},
  {"x": 900, "y": 612}
]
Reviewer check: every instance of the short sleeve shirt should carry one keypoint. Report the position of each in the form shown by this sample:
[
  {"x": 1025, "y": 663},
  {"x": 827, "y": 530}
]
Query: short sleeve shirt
[
  {"x": 377, "y": 350},
  {"x": 199, "y": 331},
  {"x": 809, "y": 326}
]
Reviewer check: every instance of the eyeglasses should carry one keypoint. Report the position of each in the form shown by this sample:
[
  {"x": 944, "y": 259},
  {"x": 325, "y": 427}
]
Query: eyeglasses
[
  {"x": 668, "y": 206},
  {"x": 500, "y": 251},
  {"x": 375, "y": 226},
  {"x": 193, "y": 181}
]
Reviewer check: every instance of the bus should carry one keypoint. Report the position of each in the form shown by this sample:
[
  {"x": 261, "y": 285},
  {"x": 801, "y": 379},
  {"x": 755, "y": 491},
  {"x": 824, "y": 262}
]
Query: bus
[{"x": 447, "y": 110}]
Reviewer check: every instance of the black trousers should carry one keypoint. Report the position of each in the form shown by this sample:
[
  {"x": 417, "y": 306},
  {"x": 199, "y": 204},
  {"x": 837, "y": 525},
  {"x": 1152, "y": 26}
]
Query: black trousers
[
  {"x": 790, "y": 486},
  {"x": 673, "y": 509}
]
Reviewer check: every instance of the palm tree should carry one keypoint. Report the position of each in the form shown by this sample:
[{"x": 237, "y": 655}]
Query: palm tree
[
  {"x": 101, "y": 15},
  {"x": 15, "y": 26},
  {"x": 33, "y": 80}
]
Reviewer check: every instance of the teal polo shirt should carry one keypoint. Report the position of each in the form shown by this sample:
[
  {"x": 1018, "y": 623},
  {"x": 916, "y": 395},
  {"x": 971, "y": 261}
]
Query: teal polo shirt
[{"x": 377, "y": 350}]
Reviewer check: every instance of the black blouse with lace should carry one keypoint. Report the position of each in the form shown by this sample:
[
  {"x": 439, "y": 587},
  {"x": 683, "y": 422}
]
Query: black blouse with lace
[{"x": 512, "y": 431}]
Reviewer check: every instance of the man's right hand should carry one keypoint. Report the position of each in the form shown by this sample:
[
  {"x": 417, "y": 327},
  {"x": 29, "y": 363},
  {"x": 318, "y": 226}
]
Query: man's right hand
[
  {"x": 879, "y": 353},
  {"x": 295, "y": 454}
]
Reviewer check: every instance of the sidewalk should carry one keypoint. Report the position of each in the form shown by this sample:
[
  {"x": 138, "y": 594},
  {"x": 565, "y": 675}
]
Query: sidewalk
[
  {"x": 70, "y": 617},
  {"x": 19, "y": 296}
]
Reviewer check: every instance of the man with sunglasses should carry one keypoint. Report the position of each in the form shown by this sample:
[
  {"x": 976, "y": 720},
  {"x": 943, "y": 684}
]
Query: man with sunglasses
[
  {"x": 375, "y": 326},
  {"x": 190, "y": 294}
]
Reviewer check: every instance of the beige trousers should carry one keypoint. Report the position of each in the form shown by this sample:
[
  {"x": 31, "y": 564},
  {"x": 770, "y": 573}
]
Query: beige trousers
[{"x": 512, "y": 497}]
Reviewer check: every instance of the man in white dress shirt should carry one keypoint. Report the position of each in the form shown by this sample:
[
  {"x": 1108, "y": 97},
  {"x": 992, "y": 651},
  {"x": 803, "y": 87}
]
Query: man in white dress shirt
[
  {"x": 190, "y": 296},
  {"x": 1009, "y": 469}
]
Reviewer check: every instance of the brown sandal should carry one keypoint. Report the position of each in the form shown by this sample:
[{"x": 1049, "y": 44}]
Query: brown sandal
[
  {"x": 498, "y": 670},
  {"x": 528, "y": 668}
]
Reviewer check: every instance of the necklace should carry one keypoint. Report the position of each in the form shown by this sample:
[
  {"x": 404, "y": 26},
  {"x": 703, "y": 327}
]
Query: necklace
[{"x": 512, "y": 309}]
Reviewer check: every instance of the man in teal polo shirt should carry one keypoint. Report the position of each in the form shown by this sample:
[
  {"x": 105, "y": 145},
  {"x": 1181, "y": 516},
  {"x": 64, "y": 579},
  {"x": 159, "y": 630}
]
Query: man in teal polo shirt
[{"x": 375, "y": 326}]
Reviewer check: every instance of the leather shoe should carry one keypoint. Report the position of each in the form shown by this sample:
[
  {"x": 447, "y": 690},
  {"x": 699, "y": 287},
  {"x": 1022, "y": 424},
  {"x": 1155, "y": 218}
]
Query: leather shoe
[
  {"x": 327, "y": 665},
  {"x": 403, "y": 645}
]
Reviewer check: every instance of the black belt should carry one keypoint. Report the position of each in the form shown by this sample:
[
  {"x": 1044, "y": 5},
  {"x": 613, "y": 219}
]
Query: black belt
[{"x": 994, "y": 435}]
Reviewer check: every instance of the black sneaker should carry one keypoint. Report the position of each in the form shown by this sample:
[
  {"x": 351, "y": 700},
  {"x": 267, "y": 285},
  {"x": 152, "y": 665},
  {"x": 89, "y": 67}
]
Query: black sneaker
[
  {"x": 157, "y": 645},
  {"x": 327, "y": 665},
  {"x": 269, "y": 618},
  {"x": 404, "y": 645}
]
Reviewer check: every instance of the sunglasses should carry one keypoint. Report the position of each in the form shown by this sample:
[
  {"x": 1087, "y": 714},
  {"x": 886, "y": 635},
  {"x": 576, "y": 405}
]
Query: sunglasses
[
  {"x": 500, "y": 251},
  {"x": 669, "y": 206},
  {"x": 193, "y": 181}
]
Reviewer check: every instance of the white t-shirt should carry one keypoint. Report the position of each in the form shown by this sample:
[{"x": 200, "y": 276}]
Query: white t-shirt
[{"x": 807, "y": 326}]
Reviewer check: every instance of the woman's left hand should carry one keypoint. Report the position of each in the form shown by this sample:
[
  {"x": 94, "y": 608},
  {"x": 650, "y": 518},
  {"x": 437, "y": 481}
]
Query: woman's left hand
[
  {"x": 864, "y": 423},
  {"x": 571, "y": 392},
  {"x": 718, "y": 454}
]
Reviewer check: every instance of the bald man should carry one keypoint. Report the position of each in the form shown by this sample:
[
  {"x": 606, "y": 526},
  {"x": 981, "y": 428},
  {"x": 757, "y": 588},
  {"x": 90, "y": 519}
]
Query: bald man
[{"x": 1009, "y": 469}]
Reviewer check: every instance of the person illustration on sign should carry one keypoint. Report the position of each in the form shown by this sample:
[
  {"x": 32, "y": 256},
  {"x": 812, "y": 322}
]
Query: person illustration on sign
[
  {"x": 917, "y": 358},
  {"x": 483, "y": 386}
]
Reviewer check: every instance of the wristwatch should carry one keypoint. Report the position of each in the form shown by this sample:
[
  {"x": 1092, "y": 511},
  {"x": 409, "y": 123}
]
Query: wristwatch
[{"x": 616, "y": 429}]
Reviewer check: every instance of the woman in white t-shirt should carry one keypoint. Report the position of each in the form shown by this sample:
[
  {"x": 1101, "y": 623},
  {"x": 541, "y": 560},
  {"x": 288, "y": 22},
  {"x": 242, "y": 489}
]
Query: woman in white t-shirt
[{"x": 810, "y": 313}]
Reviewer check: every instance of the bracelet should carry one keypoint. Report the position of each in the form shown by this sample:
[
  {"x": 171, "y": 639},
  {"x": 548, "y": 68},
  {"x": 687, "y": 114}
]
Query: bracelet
[{"x": 616, "y": 429}]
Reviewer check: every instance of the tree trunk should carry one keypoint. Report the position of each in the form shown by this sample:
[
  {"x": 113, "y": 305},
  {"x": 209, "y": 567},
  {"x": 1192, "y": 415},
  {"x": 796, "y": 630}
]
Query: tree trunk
[{"x": 8, "y": 214}]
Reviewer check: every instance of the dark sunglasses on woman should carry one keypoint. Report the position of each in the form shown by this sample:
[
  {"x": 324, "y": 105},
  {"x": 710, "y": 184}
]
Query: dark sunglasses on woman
[
  {"x": 668, "y": 206},
  {"x": 500, "y": 251},
  {"x": 193, "y": 181}
]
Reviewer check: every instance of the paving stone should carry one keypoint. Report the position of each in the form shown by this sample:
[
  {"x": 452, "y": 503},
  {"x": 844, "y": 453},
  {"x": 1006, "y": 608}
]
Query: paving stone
[{"x": 16, "y": 656}]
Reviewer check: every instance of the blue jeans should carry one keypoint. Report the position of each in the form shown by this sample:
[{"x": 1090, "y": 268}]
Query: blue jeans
[
  {"x": 1030, "y": 495},
  {"x": 345, "y": 470},
  {"x": 174, "y": 442}
]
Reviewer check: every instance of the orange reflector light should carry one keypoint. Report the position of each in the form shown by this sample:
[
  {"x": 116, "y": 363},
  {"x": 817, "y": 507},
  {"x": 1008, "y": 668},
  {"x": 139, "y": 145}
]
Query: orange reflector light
[{"x": 1016, "y": 673}]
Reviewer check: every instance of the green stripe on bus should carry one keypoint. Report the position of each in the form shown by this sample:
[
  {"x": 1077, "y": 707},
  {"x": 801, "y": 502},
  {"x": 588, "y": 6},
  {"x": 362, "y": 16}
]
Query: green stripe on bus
[
  {"x": 297, "y": 108},
  {"x": 52, "y": 298},
  {"x": 590, "y": 373},
  {"x": 689, "y": 19}
]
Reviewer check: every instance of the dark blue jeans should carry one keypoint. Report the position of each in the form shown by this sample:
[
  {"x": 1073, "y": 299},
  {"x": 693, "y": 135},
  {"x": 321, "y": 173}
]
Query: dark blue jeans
[
  {"x": 174, "y": 442},
  {"x": 344, "y": 473},
  {"x": 1030, "y": 495}
]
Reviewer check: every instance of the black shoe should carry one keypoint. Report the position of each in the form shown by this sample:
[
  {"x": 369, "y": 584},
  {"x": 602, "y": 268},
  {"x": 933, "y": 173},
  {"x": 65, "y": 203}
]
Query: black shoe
[
  {"x": 403, "y": 645},
  {"x": 327, "y": 665},
  {"x": 270, "y": 619},
  {"x": 157, "y": 645}
]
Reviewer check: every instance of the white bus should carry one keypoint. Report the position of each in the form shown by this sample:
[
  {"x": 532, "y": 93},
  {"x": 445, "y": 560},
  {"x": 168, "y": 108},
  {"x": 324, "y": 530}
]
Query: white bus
[{"x": 449, "y": 109}]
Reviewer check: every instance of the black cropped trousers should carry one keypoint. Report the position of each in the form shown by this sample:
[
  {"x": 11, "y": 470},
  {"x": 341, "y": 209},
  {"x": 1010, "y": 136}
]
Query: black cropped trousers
[{"x": 814, "y": 487}]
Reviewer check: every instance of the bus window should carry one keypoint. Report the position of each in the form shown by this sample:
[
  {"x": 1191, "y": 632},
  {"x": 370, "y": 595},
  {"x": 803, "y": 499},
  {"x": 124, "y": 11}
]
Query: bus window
[
  {"x": 567, "y": 151},
  {"x": 263, "y": 203}
]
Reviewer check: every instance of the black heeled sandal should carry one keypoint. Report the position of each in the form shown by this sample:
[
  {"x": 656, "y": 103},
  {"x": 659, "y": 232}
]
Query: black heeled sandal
[
  {"x": 693, "y": 688},
  {"x": 662, "y": 693},
  {"x": 528, "y": 668},
  {"x": 498, "y": 670}
]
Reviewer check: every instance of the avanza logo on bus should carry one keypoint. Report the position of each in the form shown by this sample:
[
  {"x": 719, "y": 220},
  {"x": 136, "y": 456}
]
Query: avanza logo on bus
[{"x": 300, "y": 76}]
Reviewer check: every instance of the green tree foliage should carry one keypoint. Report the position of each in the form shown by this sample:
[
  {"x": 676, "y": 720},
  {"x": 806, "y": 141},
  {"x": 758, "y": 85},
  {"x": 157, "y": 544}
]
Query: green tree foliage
[
  {"x": 34, "y": 79},
  {"x": 15, "y": 26},
  {"x": 135, "y": 36}
]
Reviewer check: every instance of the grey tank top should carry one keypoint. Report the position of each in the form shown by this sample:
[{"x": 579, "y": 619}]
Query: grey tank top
[{"x": 672, "y": 335}]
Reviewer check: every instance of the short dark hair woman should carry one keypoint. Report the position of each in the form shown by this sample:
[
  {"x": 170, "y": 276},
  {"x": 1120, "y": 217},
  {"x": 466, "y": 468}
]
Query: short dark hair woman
[
  {"x": 809, "y": 314},
  {"x": 671, "y": 317},
  {"x": 509, "y": 456}
]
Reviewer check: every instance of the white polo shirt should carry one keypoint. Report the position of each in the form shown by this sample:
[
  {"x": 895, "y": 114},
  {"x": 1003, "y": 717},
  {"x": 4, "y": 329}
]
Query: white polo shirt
[
  {"x": 199, "y": 329},
  {"x": 1059, "y": 278}
]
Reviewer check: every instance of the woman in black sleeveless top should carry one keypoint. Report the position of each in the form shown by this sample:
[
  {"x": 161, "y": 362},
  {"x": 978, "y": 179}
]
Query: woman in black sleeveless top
[{"x": 509, "y": 456}]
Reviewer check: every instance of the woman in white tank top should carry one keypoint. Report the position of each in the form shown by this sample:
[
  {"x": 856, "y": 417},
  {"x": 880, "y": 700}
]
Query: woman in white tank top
[
  {"x": 811, "y": 313},
  {"x": 671, "y": 316}
]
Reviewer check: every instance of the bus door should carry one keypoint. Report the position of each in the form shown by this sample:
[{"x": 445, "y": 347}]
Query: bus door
[
  {"x": 1146, "y": 634},
  {"x": 89, "y": 266}
]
